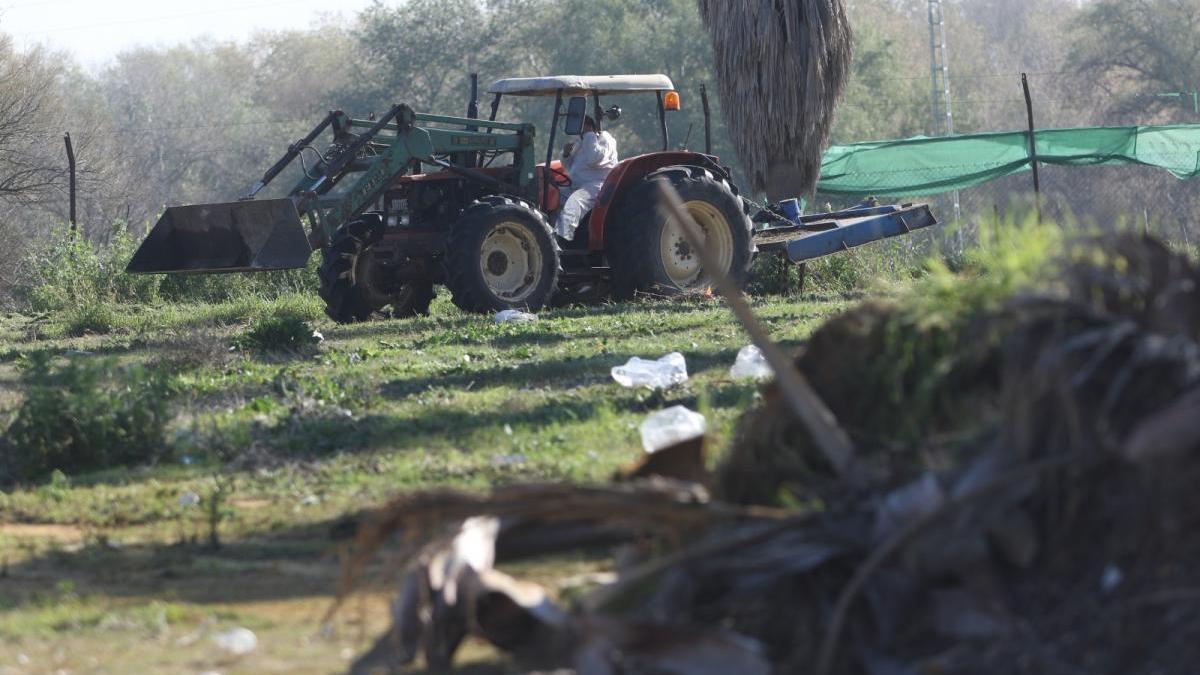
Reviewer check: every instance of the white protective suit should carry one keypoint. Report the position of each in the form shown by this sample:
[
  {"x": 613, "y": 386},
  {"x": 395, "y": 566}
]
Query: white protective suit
[{"x": 595, "y": 155}]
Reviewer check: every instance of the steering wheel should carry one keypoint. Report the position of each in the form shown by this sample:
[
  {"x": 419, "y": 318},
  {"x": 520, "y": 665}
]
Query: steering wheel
[{"x": 560, "y": 178}]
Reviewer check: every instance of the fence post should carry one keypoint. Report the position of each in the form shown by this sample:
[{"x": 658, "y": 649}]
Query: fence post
[
  {"x": 1033, "y": 145},
  {"x": 1033, "y": 156},
  {"x": 71, "y": 168}
]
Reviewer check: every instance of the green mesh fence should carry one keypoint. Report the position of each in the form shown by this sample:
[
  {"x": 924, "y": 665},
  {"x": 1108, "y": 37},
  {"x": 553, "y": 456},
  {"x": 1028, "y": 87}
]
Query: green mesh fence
[{"x": 925, "y": 166}]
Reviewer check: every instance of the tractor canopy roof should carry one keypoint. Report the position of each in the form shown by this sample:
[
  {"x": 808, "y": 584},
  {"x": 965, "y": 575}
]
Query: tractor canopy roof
[{"x": 550, "y": 85}]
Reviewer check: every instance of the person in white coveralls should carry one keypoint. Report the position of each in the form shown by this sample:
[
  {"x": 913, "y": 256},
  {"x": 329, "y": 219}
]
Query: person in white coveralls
[{"x": 588, "y": 163}]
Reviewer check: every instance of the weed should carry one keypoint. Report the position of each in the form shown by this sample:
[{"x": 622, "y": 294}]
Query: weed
[
  {"x": 83, "y": 415},
  {"x": 849, "y": 274},
  {"x": 69, "y": 272},
  {"x": 84, "y": 284},
  {"x": 190, "y": 350},
  {"x": 284, "y": 331},
  {"x": 95, "y": 318},
  {"x": 210, "y": 288}
]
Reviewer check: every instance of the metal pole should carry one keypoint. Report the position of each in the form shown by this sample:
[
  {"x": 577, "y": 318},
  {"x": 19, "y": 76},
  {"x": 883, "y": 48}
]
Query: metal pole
[
  {"x": 550, "y": 148},
  {"x": 935, "y": 118},
  {"x": 707, "y": 120},
  {"x": 1033, "y": 156},
  {"x": 71, "y": 167},
  {"x": 941, "y": 105},
  {"x": 473, "y": 104},
  {"x": 662, "y": 122},
  {"x": 473, "y": 159}
]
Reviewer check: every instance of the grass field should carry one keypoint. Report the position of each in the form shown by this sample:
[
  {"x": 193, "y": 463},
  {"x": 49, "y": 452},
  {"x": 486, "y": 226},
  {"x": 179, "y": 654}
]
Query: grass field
[{"x": 114, "y": 572}]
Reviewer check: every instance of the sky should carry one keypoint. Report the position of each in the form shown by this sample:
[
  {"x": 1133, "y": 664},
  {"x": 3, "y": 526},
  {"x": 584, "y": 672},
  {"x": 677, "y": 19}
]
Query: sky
[{"x": 96, "y": 30}]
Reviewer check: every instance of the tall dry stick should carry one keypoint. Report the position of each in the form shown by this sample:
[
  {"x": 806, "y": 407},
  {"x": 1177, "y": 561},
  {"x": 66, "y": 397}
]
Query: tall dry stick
[{"x": 804, "y": 401}]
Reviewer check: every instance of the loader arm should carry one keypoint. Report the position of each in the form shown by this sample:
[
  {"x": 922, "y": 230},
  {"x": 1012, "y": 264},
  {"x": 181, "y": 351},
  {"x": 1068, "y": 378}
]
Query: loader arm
[{"x": 365, "y": 158}]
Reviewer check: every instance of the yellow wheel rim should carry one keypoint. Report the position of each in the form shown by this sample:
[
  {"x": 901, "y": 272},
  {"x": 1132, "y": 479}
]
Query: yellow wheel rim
[
  {"x": 680, "y": 262},
  {"x": 511, "y": 261}
]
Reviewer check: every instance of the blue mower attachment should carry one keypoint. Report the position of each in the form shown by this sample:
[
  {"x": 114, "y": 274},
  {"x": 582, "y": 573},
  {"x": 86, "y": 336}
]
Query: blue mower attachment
[{"x": 804, "y": 238}]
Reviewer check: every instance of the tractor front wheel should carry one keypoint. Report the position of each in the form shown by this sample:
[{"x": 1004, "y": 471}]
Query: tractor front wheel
[
  {"x": 354, "y": 285},
  {"x": 648, "y": 252},
  {"x": 501, "y": 254}
]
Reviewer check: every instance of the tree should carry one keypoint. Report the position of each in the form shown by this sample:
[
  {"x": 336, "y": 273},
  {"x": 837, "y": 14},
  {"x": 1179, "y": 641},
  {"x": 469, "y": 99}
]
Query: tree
[
  {"x": 32, "y": 162},
  {"x": 882, "y": 100},
  {"x": 422, "y": 51},
  {"x": 30, "y": 114},
  {"x": 1138, "y": 49}
]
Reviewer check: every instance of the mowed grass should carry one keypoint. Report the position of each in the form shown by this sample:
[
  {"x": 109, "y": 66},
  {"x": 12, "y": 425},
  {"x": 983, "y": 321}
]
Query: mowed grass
[{"x": 112, "y": 572}]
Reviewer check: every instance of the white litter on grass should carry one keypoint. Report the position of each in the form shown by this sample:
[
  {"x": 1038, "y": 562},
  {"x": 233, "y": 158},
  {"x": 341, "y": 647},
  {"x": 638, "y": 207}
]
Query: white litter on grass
[
  {"x": 310, "y": 500},
  {"x": 189, "y": 498},
  {"x": 671, "y": 426},
  {"x": 514, "y": 316},
  {"x": 236, "y": 642},
  {"x": 318, "y": 336},
  {"x": 665, "y": 372},
  {"x": 751, "y": 364}
]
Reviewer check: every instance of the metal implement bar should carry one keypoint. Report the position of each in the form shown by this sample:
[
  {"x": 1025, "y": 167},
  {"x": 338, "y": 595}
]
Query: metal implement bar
[
  {"x": 335, "y": 167},
  {"x": 466, "y": 122},
  {"x": 832, "y": 233},
  {"x": 293, "y": 151}
]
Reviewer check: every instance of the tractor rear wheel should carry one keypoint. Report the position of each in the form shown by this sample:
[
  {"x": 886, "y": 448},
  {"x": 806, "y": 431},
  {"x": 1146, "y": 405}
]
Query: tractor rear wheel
[
  {"x": 648, "y": 252},
  {"x": 501, "y": 254},
  {"x": 354, "y": 285}
]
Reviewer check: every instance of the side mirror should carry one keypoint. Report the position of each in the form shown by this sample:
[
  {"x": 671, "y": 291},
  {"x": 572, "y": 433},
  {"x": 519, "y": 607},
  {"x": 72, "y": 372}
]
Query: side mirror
[{"x": 576, "y": 111}]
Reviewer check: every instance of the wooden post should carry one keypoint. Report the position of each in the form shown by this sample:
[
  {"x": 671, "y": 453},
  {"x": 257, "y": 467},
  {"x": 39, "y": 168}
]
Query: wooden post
[{"x": 71, "y": 168}]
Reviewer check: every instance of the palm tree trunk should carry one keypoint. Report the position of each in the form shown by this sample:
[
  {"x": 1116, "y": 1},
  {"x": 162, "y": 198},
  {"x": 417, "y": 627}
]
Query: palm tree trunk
[{"x": 781, "y": 68}]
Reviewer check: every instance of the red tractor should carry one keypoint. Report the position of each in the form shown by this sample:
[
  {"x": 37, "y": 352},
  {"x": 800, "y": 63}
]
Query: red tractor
[
  {"x": 403, "y": 202},
  {"x": 479, "y": 223}
]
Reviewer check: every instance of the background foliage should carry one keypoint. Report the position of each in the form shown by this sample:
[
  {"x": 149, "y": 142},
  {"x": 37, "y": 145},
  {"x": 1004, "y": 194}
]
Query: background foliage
[{"x": 198, "y": 122}]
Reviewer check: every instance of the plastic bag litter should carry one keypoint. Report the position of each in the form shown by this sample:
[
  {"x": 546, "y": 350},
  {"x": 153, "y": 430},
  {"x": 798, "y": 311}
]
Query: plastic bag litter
[
  {"x": 237, "y": 641},
  {"x": 751, "y": 363},
  {"x": 514, "y": 316},
  {"x": 671, "y": 426},
  {"x": 660, "y": 374}
]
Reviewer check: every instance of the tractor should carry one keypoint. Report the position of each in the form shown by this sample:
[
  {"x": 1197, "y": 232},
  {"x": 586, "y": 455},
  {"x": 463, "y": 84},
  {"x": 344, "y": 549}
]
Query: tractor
[{"x": 403, "y": 203}]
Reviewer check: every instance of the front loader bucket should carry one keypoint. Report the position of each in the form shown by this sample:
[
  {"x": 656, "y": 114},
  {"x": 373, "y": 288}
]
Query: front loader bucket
[{"x": 247, "y": 236}]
